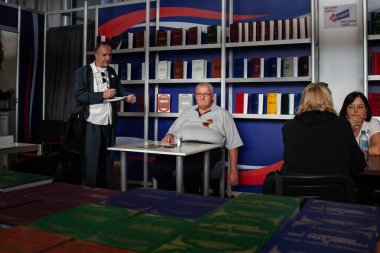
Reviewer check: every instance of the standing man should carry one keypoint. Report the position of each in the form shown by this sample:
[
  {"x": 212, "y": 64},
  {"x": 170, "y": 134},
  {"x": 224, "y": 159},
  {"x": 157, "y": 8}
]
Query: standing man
[
  {"x": 94, "y": 84},
  {"x": 201, "y": 123}
]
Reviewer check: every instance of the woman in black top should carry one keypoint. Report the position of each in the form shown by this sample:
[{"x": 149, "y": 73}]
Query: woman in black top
[{"x": 317, "y": 141}]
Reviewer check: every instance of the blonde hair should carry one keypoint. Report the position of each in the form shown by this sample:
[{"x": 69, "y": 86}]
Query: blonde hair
[{"x": 316, "y": 97}]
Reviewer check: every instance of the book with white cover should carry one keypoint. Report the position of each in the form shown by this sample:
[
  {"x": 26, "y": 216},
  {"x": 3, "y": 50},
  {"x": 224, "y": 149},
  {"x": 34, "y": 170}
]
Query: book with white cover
[
  {"x": 295, "y": 28},
  {"x": 287, "y": 29},
  {"x": 199, "y": 69},
  {"x": 271, "y": 29},
  {"x": 279, "y": 29},
  {"x": 279, "y": 103},
  {"x": 290, "y": 66},
  {"x": 163, "y": 70},
  {"x": 129, "y": 71},
  {"x": 254, "y": 32},
  {"x": 130, "y": 40},
  {"x": 291, "y": 103},
  {"x": 185, "y": 101},
  {"x": 302, "y": 28}
]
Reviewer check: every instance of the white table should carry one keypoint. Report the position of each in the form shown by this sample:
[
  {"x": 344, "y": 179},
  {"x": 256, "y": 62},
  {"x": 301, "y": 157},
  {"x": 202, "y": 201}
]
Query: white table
[
  {"x": 185, "y": 150},
  {"x": 19, "y": 147}
]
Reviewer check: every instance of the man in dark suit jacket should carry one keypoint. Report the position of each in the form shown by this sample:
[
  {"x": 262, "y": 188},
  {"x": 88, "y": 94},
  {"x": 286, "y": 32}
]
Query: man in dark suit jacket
[{"x": 94, "y": 84}]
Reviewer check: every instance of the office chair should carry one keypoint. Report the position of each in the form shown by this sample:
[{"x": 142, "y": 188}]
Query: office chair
[
  {"x": 44, "y": 165},
  {"x": 50, "y": 133},
  {"x": 339, "y": 188}
]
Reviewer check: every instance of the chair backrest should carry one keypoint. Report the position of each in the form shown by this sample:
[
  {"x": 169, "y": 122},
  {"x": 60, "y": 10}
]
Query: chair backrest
[{"x": 326, "y": 187}]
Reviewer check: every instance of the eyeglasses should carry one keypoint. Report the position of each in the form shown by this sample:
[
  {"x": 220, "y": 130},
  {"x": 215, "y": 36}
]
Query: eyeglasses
[
  {"x": 206, "y": 95},
  {"x": 104, "y": 79}
]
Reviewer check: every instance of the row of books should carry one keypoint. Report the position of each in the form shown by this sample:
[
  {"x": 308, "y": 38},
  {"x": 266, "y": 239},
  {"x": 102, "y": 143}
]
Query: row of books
[
  {"x": 164, "y": 102},
  {"x": 292, "y": 66},
  {"x": 279, "y": 29},
  {"x": 327, "y": 226},
  {"x": 270, "y": 103}
]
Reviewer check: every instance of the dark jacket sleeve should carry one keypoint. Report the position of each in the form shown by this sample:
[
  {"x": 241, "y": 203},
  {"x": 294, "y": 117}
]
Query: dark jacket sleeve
[
  {"x": 83, "y": 91},
  {"x": 358, "y": 162}
]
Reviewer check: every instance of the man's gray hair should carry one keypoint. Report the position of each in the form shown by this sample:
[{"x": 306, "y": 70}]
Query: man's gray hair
[{"x": 209, "y": 85}]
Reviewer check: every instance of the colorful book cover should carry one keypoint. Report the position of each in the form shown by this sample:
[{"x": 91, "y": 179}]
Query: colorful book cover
[
  {"x": 14, "y": 180},
  {"x": 163, "y": 103},
  {"x": 178, "y": 37},
  {"x": 24, "y": 239},
  {"x": 84, "y": 221},
  {"x": 240, "y": 68},
  {"x": 271, "y": 103}
]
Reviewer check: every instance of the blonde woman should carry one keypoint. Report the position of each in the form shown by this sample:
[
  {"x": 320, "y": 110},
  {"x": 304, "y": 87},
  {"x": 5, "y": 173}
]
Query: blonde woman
[{"x": 317, "y": 140}]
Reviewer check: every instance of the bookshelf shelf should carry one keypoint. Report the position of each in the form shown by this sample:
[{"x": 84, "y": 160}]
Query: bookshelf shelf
[
  {"x": 186, "y": 47},
  {"x": 268, "y": 79},
  {"x": 130, "y": 114},
  {"x": 262, "y": 116},
  {"x": 132, "y": 81},
  {"x": 162, "y": 81},
  {"x": 268, "y": 43}
]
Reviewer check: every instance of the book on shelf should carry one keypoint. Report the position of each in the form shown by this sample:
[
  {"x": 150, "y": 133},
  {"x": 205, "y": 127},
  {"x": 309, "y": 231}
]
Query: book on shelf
[
  {"x": 271, "y": 103},
  {"x": 216, "y": 68},
  {"x": 279, "y": 29},
  {"x": 163, "y": 70},
  {"x": 163, "y": 102},
  {"x": 257, "y": 67},
  {"x": 375, "y": 22},
  {"x": 185, "y": 101},
  {"x": 290, "y": 28},
  {"x": 236, "y": 32},
  {"x": 14, "y": 180},
  {"x": 375, "y": 63},
  {"x": 302, "y": 28},
  {"x": 285, "y": 29},
  {"x": 287, "y": 103},
  {"x": 194, "y": 35},
  {"x": 304, "y": 63},
  {"x": 248, "y": 31},
  {"x": 290, "y": 66},
  {"x": 374, "y": 103},
  {"x": 199, "y": 69},
  {"x": 296, "y": 28},
  {"x": 129, "y": 71},
  {"x": 130, "y": 40},
  {"x": 140, "y": 39},
  {"x": 308, "y": 27},
  {"x": 258, "y": 105},
  {"x": 273, "y": 29},
  {"x": 123, "y": 71},
  {"x": 265, "y": 28},
  {"x": 214, "y": 34},
  {"x": 180, "y": 69},
  {"x": 178, "y": 37},
  {"x": 241, "y": 68},
  {"x": 241, "y": 103},
  {"x": 163, "y": 38},
  {"x": 256, "y": 33},
  {"x": 140, "y": 102},
  {"x": 274, "y": 67},
  {"x": 278, "y": 103},
  {"x": 6, "y": 141}
]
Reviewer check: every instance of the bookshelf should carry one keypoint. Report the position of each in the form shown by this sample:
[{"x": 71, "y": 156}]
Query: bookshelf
[{"x": 156, "y": 123}]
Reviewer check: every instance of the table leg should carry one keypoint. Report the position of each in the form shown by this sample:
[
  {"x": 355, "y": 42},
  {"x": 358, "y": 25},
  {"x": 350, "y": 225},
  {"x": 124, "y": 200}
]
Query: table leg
[
  {"x": 206, "y": 173},
  {"x": 123, "y": 171},
  {"x": 179, "y": 173}
]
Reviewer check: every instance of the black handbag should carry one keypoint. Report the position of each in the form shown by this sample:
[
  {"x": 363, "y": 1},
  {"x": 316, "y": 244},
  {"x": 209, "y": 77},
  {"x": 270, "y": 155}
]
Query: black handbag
[{"x": 76, "y": 132}]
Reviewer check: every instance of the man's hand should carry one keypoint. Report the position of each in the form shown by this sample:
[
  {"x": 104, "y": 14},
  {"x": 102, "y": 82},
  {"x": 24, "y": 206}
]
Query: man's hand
[
  {"x": 233, "y": 177},
  {"x": 109, "y": 93},
  {"x": 131, "y": 98},
  {"x": 168, "y": 139}
]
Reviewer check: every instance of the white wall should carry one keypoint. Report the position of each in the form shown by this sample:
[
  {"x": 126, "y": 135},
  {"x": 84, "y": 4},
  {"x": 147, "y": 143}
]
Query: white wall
[{"x": 341, "y": 54}]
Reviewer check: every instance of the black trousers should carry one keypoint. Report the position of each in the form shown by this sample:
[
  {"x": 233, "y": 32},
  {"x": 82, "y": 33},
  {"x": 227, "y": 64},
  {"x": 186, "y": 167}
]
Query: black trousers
[
  {"x": 164, "y": 166},
  {"x": 99, "y": 160}
]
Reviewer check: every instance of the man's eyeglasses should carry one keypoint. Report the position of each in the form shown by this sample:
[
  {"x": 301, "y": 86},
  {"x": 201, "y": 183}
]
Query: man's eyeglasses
[
  {"x": 104, "y": 79},
  {"x": 206, "y": 95}
]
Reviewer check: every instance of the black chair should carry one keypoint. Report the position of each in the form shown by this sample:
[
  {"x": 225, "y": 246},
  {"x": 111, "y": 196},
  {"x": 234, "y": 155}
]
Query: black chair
[
  {"x": 44, "y": 165},
  {"x": 339, "y": 188}
]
